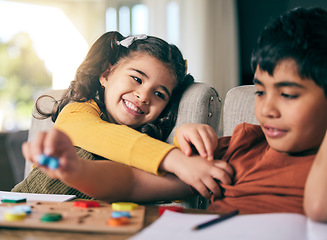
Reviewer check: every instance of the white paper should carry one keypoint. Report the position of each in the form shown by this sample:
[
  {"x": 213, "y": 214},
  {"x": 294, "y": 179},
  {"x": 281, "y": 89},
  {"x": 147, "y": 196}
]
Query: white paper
[
  {"x": 316, "y": 231},
  {"x": 37, "y": 197},
  {"x": 281, "y": 226}
]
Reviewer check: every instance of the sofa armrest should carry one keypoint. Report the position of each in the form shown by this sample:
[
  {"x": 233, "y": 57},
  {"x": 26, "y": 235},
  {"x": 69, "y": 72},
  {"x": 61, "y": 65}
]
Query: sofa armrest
[
  {"x": 200, "y": 103},
  {"x": 238, "y": 108}
]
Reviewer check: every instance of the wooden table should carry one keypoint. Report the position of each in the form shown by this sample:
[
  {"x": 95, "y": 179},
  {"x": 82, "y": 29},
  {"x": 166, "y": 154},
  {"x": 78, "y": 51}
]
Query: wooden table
[{"x": 151, "y": 214}]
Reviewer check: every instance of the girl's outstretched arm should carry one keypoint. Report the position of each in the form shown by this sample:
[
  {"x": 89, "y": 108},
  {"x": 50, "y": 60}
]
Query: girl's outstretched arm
[
  {"x": 198, "y": 168},
  {"x": 198, "y": 172},
  {"x": 315, "y": 192},
  {"x": 104, "y": 180}
]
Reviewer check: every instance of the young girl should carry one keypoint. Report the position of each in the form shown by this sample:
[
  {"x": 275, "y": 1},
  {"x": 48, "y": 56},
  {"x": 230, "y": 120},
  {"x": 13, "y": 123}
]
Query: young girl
[
  {"x": 271, "y": 160},
  {"x": 124, "y": 88}
]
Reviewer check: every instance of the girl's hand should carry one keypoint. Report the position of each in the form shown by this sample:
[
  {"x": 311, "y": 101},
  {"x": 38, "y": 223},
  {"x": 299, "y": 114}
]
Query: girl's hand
[
  {"x": 199, "y": 173},
  {"x": 201, "y": 136},
  {"x": 55, "y": 144}
]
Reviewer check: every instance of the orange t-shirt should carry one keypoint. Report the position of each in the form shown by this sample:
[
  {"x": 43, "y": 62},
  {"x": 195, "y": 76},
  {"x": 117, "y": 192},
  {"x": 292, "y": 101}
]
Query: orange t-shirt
[{"x": 265, "y": 180}]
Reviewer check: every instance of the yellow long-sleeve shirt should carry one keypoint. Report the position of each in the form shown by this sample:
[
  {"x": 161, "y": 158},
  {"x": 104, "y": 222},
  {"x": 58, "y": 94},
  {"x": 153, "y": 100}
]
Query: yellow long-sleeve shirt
[{"x": 119, "y": 143}]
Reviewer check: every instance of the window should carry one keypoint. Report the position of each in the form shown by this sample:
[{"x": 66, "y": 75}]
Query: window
[
  {"x": 124, "y": 21},
  {"x": 111, "y": 19},
  {"x": 172, "y": 22},
  {"x": 53, "y": 48},
  {"x": 131, "y": 19},
  {"x": 140, "y": 19}
]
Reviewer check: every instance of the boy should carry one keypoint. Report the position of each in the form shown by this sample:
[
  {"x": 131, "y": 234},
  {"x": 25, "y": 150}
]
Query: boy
[{"x": 271, "y": 161}]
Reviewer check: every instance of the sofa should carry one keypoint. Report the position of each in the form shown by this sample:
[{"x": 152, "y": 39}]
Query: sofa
[{"x": 12, "y": 163}]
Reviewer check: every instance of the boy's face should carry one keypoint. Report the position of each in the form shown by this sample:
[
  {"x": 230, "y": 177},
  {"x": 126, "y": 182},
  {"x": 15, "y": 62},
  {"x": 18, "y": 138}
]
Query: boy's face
[{"x": 292, "y": 111}]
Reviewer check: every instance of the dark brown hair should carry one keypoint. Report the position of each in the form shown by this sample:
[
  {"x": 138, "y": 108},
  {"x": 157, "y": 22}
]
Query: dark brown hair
[{"x": 299, "y": 35}]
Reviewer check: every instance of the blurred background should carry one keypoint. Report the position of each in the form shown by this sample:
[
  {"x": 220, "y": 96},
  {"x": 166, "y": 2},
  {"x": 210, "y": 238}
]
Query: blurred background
[{"x": 42, "y": 42}]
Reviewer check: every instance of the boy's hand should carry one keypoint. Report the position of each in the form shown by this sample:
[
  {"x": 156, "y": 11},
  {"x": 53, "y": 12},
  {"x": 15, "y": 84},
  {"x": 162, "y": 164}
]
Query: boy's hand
[
  {"x": 201, "y": 136},
  {"x": 55, "y": 144}
]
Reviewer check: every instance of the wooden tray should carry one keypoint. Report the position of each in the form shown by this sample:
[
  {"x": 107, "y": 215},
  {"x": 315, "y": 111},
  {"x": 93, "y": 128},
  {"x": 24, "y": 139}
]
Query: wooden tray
[{"x": 74, "y": 218}]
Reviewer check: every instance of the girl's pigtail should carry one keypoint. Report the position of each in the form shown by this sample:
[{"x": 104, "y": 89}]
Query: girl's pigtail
[{"x": 86, "y": 85}]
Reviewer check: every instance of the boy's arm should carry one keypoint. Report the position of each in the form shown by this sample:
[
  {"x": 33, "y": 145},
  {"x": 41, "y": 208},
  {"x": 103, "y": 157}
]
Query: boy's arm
[
  {"x": 103, "y": 180},
  {"x": 315, "y": 192}
]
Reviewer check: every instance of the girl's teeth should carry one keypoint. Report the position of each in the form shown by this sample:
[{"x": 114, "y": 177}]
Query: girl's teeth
[{"x": 131, "y": 106}]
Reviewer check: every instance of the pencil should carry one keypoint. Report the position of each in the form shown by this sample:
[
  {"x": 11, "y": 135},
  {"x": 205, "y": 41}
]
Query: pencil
[{"x": 216, "y": 220}]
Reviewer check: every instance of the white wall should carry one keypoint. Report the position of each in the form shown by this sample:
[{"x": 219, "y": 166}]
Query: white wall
[
  {"x": 208, "y": 32},
  {"x": 208, "y": 39}
]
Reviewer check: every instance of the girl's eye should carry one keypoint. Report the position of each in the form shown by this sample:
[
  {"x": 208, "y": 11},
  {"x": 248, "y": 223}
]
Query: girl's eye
[
  {"x": 289, "y": 96},
  {"x": 161, "y": 95},
  {"x": 137, "y": 79},
  {"x": 259, "y": 93}
]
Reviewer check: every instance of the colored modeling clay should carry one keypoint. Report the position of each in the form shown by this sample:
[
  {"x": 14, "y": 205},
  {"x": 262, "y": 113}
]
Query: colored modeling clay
[
  {"x": 11, "y": 199},
  {"x": 51, "y": 217},
  {"x": 124, "y": 206},
  {"x": 171, "y": 208},
  {"x": 23, "y": 208},
  {"x": 86, "y": 204},
  {"x": 48, "y": 161},
  {"x": 118, "y": 221},
  {"x": 117, "y": 214},
  {"x": 14, "y": 216}
]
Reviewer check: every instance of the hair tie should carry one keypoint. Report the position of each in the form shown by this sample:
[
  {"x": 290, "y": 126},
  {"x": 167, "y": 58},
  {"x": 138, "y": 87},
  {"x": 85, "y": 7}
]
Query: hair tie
[
  {"x": 185, "y": 62},
  {"x": 129, "y": 40}
]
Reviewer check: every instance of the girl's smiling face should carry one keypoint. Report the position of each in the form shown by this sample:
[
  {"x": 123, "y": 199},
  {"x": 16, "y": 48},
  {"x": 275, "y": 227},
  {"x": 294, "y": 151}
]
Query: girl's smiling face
[
  {"x": 292, "y": 111},
  {"x": 137, "y": 89}
]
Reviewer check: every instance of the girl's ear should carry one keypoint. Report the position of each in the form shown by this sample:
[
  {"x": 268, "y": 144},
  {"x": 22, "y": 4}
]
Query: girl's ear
[
  {"x": 101, "y": 80},
  {"x": 104, "y": 76}
]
